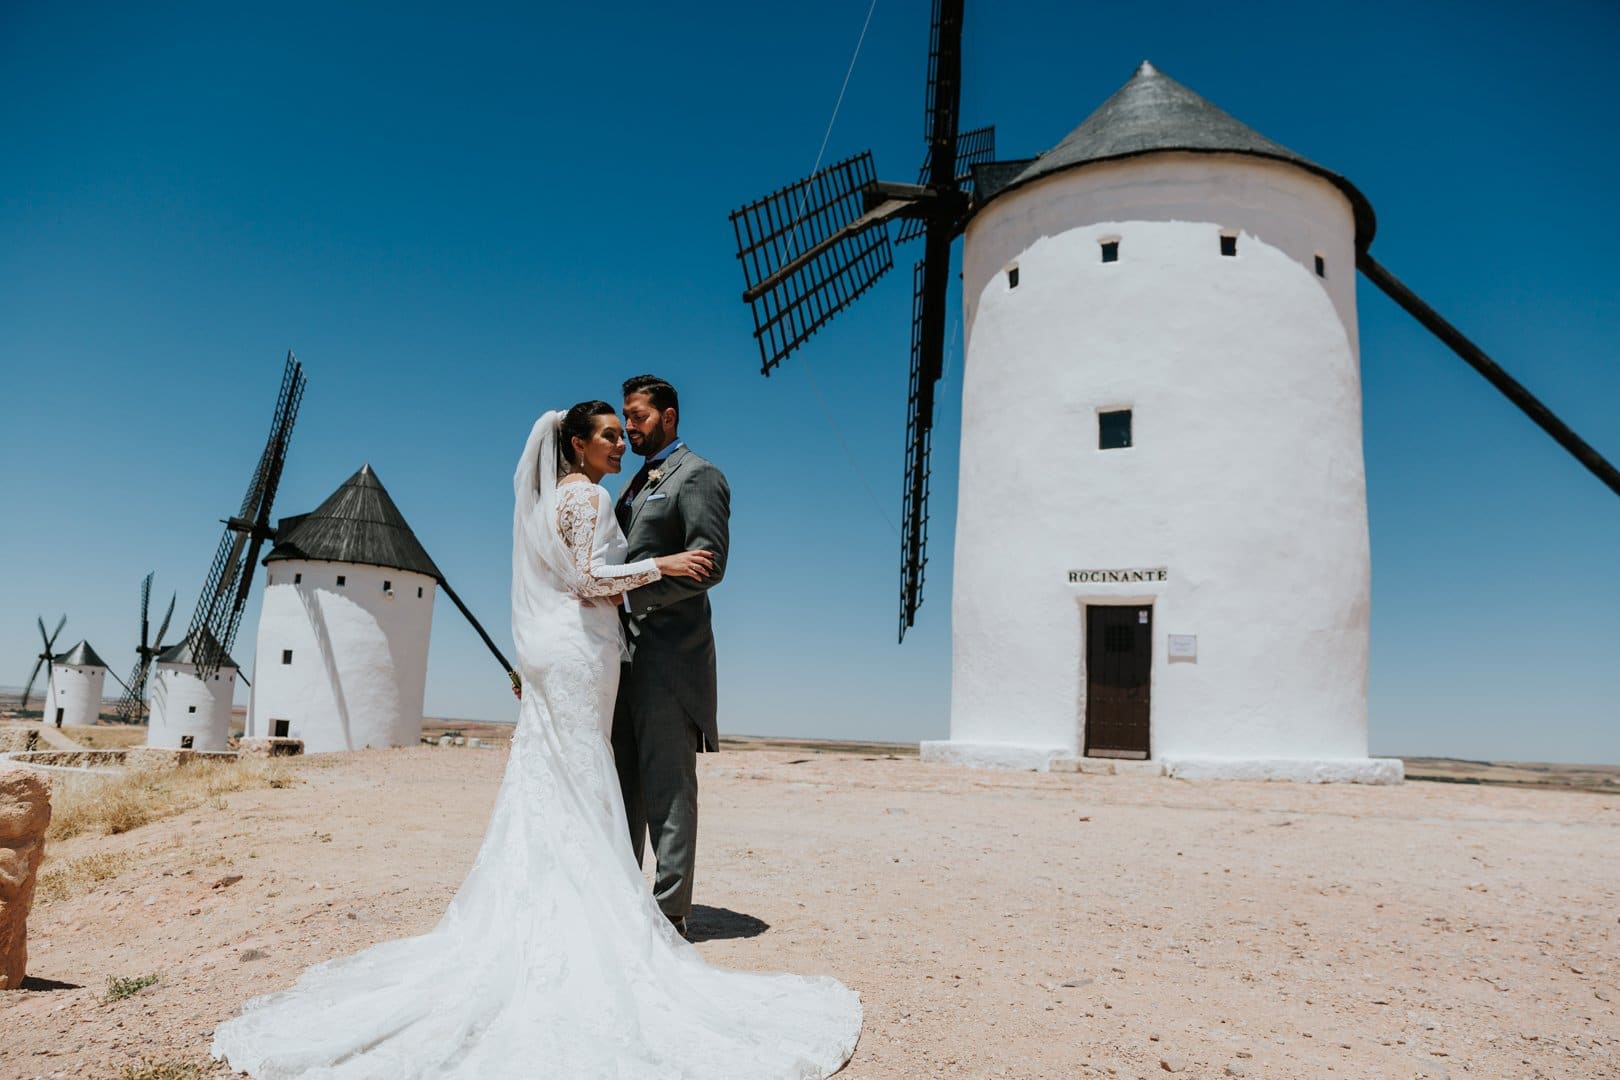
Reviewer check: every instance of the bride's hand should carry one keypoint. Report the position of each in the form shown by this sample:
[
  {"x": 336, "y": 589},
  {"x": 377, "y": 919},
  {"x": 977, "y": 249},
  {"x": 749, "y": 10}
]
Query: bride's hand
[{"x": 696, "y": 565}]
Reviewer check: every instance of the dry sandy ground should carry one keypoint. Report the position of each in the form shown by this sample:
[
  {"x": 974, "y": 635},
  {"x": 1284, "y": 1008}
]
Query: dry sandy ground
[{"x": 997, "y": 925}]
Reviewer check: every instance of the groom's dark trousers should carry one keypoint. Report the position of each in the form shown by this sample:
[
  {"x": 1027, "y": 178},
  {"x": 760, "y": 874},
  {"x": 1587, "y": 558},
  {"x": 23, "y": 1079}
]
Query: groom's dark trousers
[{"x": 665, "y": 713}]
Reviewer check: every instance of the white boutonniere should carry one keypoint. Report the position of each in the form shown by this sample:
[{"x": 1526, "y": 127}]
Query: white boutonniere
[{"x": 654, "y": 476}]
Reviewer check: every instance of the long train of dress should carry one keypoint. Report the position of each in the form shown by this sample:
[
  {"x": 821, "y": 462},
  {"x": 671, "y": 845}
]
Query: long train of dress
[{"x": 553, "y": 959}]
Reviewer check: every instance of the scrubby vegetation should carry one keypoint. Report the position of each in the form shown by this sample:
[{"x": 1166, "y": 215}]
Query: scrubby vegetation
[
  {"x": 80, "y": 875},
  {"x": 120, "y": 988},
  {"x": 107, "y": 805}
]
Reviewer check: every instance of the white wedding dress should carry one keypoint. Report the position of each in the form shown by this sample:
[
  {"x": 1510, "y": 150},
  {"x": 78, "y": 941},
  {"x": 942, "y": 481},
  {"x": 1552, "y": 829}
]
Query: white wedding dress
[{"x": 553, "y": 959}]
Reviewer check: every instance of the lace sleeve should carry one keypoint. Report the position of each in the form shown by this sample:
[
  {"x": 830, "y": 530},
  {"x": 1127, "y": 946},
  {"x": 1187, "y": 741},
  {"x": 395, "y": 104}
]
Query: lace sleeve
[{"x": 576, "y": 521}]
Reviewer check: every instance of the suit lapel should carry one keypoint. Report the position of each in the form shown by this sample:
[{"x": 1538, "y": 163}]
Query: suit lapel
[{"x": 666, "y": 469}]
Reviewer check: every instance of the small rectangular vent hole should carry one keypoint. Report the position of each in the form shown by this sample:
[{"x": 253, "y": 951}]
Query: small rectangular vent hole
[
  {"x": 1321, "y": 267},
  {"x": 1110, "y": 251},
  {"x": 1012, "y": 278},
  {"x": 1228, "y": 245},
  {"x": 1114, "y": 429}
]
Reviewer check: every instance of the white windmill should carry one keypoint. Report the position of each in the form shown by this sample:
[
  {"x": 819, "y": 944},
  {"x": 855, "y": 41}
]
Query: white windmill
[
  {"x": 73, "y": 692},
  {"x": 193, "y": 685},
  {"x": 1165, "y": 301},
  {"x": 341, "y": 661}
]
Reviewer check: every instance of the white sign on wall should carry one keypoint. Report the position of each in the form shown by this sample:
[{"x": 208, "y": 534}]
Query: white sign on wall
[{"x": 1184, "y": 646}]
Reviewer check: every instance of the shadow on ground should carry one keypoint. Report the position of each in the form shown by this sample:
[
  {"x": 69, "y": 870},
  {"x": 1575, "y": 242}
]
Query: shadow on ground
[
  {"x": 32, "y": 983},
  {"x": 713, "y": 923}
]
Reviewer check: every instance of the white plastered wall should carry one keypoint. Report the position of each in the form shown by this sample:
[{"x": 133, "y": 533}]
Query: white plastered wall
[
  {"x": 358, "y": 667},
  {"x": 1245, "y": 479},
  {"x": 184, "y": 704},
  {"x": 76, "y": 691}
]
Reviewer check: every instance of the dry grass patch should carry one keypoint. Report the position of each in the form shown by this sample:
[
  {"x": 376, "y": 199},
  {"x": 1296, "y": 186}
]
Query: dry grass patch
[
  {"x": 107, "y": 805},
  {"x": 165, "y": 1070},
  {"x": 80, "y": 875},
  {"x": 106, "y": 736}
]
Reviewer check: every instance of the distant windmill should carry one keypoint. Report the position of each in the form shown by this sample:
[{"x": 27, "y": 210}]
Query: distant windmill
[
  {"x": 811, "y": 249},
  {"x": 132, "y": 706},
  {"x": 46, "y": 658}
]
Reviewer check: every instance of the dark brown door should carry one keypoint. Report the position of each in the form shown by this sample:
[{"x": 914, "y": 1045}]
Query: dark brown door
[{"x": 1119, "y": 663}]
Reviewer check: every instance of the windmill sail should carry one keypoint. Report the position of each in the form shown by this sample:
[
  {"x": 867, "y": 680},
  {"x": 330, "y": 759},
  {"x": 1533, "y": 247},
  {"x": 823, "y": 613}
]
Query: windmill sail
[
  {"x": 807, "y": 252},
  {"x": 811, "y": 249},
  {"x": 46, "y": 658},
  {"x": 230, "y": 577},
  {"x": 919, "y": 445},
  {"x": 133, "y": 702}
]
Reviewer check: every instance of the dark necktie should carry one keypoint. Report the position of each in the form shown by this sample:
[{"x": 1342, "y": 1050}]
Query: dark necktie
[{"x": 631, "y": 490}]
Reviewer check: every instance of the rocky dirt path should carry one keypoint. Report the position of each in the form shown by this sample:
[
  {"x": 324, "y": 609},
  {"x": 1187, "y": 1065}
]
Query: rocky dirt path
[{"x": 997, "y": 925}]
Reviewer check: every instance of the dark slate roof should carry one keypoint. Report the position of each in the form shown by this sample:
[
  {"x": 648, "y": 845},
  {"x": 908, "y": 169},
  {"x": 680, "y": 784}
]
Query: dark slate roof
[
  {"x": 81, "y": 655},
  {"x": 1153, "y": 113},
  {"x": 184, "y": 653},
  {"x": 357, "y": 524}
]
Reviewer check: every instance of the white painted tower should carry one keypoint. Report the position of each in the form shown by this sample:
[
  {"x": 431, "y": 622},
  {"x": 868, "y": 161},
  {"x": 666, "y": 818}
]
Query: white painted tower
[
  {"x": 73, "y": 695},
  {"x": 189, "y": 712},
  {"x": 1161, "y": 541},
  {"x": 341, "y": 661}
]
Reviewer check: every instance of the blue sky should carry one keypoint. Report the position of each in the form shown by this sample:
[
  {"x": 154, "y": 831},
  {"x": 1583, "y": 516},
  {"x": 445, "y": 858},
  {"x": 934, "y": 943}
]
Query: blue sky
[{"x": 462, "y": 216}]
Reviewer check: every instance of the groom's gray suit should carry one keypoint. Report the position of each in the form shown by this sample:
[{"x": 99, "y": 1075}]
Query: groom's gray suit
[{"x": 665, "y": 714}]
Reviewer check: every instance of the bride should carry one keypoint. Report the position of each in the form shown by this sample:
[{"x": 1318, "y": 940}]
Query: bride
[{"x": 553, "y": 959}]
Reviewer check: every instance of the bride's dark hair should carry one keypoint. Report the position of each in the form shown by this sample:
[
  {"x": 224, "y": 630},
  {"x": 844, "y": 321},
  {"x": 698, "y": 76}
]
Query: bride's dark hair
[{"x": 581, "y": 421}]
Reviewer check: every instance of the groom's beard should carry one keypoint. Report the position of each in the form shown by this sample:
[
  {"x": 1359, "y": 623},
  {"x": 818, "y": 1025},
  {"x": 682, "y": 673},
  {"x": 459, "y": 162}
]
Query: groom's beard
[{"x": 651, "y": 443}]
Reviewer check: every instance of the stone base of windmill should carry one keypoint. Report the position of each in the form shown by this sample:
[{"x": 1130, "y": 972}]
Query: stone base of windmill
[
  {"x": 1367, "y": 770},
  {"x": 25, "y": 811},
  {"x": 1031, "y": 758},
  {"x": 270, "y": 746},
  {"x": 157, "y": 757}
]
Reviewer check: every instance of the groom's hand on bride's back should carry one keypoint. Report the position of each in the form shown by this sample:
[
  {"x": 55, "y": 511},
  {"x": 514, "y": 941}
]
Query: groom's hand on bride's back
[{"x": 697, "y": 565}]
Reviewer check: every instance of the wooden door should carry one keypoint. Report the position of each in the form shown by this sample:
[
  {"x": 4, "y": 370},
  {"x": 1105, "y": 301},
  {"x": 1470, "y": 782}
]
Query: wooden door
[{"x": 1119, "y": 666}]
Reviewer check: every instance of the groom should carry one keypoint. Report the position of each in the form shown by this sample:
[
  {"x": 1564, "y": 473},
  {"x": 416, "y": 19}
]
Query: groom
[{"x": 665, "y": 714}]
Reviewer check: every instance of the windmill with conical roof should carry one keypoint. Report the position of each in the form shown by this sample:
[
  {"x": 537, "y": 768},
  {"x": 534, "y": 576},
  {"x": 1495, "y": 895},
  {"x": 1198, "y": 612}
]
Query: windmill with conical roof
[
  {"x": 341, "y": 659},
  {"x": 73, "y": 692},
  {"x": 193, "y": 684},
  {"x": 1165, "y": 302}
]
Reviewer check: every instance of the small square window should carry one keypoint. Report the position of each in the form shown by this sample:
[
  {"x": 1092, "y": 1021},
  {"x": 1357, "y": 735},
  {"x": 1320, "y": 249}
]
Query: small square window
[
  {"x": 1114, "y": 429},
  {"x": 1012, "y": 278},
  {"x": 1228, "y": 245},
  {"x": 298, "y": 579},
  {"x": 186, "y": 741},
  {"x": 1110, "y": 251},
  {"x": 1321, "y": 266},
  {"x": 191, "y": 708},
  {"x": 388, "y": 586},
  {"x": 286, "y": 656},
  {"x": 342, "y": 578}
]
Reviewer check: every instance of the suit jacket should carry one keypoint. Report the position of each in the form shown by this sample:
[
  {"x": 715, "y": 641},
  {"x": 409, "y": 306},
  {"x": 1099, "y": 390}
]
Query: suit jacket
[{"x": 672, "y": 662}]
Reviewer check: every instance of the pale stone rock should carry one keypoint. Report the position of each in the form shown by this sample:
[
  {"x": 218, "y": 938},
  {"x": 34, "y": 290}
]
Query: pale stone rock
[{"x": 25, "y": 811}]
